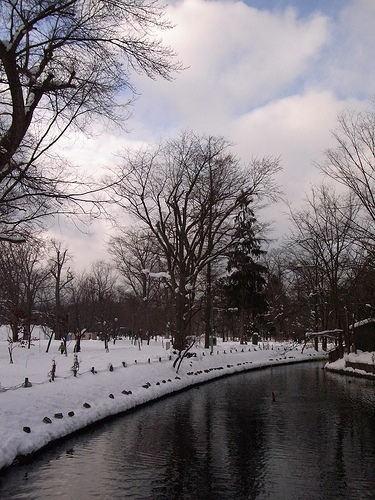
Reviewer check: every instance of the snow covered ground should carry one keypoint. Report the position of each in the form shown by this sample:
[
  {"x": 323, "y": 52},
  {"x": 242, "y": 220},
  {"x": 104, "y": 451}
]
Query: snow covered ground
[
  {"x": 361, "y": 358},
  {"x": 107, "y": 383}
]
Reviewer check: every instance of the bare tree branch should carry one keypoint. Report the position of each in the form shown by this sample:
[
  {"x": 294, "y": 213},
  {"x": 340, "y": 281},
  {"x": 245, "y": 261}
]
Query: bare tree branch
[{"x": 63, "y": 64}]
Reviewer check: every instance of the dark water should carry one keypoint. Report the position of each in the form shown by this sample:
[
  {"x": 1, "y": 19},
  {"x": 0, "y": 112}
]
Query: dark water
[{"x": 225, "y": 440}]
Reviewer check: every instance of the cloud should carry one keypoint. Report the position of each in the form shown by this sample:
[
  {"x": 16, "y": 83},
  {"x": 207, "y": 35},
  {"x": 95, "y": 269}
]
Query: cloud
[
  {"x": 271, "y": 80},
  {"x": 85, "y": 244},
  {"x": 296, "y": 129},
  {"x": 348, "y": 66},
  {"x": 237, "y": 58}
]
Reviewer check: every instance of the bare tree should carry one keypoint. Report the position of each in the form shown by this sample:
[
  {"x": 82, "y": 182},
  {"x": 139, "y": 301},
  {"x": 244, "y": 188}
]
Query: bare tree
[
  {"x": 322, "y": 250},
  {"x": 102, "y": 287},
  {"x": 22, "y": 275},
  {"x": 280, "y": 306},
  {"x": 61, "y": 279},
  {"x": 352, "y": 164},
  {"x": 140, "y": 267},
  {"x": 81, "y": 307},
  {"x": 186, "y": 192},
  {"x": 62, "y": 64},
  {"x": 135, "y": 255}
]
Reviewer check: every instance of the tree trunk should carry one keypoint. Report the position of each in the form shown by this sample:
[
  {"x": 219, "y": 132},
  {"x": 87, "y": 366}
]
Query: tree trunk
[
  {"x": 209, "y": 310},
  {"x": 49, "y": 341},
  {"x": 180, "y": 337},
  {"x": 242, "y": 325}
]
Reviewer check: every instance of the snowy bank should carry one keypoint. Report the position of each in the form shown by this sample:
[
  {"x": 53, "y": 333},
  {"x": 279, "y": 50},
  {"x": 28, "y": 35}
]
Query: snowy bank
[
  {"x": 361, "y": 364},
  {"x": 107, "y": 383}
]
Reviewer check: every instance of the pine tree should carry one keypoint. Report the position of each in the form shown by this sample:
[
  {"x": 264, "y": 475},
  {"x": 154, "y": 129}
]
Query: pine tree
[{"x": 245, "y": 283}]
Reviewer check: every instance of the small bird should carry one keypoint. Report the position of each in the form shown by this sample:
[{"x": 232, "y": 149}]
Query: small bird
[{"x": 273, "y": 397}]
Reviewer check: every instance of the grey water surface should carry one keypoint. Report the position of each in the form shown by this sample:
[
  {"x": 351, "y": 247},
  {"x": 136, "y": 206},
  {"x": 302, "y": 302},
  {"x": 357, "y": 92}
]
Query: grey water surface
[{"x": 228, "y": 439}]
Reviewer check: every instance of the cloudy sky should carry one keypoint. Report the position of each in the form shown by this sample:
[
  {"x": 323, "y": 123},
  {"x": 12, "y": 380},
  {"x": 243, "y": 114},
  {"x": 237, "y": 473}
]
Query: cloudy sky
[{"x": 270, "y": 76}]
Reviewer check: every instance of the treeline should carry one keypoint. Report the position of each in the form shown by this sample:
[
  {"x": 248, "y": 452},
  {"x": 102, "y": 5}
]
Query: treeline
[
  {"x": 196, "y": 261},
  {"x": 195, "y": 248}
]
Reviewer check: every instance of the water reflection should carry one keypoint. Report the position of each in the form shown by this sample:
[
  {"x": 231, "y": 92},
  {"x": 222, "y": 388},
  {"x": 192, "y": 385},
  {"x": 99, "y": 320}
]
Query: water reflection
[{"x": 222, "y": 440}]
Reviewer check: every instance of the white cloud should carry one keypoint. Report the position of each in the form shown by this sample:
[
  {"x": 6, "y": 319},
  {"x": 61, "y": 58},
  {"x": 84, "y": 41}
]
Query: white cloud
[
  {"x": 85, "y": 244},
  {"x": 296, "y": 128},
  {"x": 236, "y": 57},
  {"x": 349, "y": 62}
]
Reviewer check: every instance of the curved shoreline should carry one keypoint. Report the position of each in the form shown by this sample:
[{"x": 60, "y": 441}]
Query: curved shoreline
[
  {"x": 359, "y": 365},
  {"x": 163, "y": 389},
  {"x": 350, "y": 373}
]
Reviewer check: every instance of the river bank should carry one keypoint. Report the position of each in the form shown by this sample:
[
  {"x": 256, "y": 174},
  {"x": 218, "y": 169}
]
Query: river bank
[
  {"x": 361, "y": 364},
  {"x": 38, "y": 407}
]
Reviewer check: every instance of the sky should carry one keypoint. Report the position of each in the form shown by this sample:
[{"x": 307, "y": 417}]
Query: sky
[{"x": 270, "y": 76}]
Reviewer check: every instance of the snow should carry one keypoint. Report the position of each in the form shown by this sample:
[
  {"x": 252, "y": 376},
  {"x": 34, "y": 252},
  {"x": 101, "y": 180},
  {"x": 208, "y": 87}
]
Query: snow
[
  {"x": 6, "y": 45},
  {"x": 367, "y": 358},
  {"x": 29, "y": 102},
  {"x": 158, "y": 275},
  {"x": 361, "y": 357},
  {"x": 361, "y": 323},
  {"x": 141, "y": 373}
]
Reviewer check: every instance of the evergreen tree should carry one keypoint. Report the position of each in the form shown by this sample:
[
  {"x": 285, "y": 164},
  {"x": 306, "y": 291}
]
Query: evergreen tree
[{"x": 245, "y": 283}]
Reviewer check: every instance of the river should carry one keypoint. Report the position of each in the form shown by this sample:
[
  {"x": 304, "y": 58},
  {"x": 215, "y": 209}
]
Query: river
[{"x": 228, "y": 439}]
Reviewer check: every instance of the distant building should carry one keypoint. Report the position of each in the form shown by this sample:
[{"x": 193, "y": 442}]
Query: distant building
[{"x": 362, "y": 334}]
